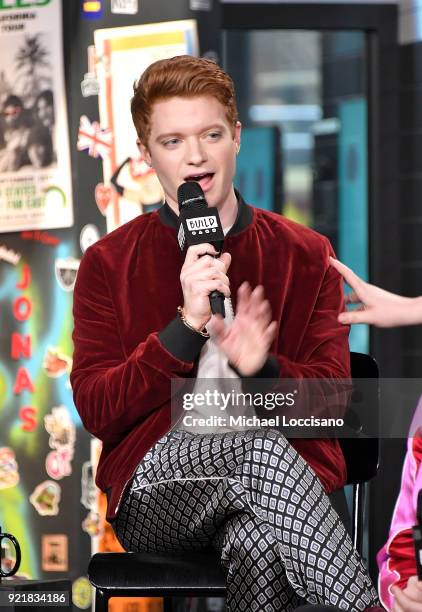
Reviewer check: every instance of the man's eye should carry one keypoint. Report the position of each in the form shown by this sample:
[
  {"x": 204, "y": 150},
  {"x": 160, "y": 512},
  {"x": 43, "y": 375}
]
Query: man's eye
[
  {"x": 172, "y": 141},
  {"x": 214, "y": 135}
]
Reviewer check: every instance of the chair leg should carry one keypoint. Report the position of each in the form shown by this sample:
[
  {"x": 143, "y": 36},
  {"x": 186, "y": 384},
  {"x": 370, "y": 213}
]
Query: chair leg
[
  {"x": 168, "y": 604},
  {"x": 101, "y": 601},
  {"x": 357, "y": 516}
]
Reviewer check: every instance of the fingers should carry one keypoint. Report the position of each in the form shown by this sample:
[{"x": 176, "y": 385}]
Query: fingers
[
  {"x": 204, "y": 288},
  {"x": 201, "y": 278},
  {"x": 243, "y": 295},
  {"x": 414, "y": 589},
  {"x": 351, "y": 298},
  {"x": 402, "y": 601},
  {"x": 270, "y": 333},
  {"x": 196, "y": 263},
  {"x": 198, "y": 250},
  {"x": 253, "y": 306},
  {"x": 226, "y": 259},
  {"x": 353, "y": 317},
  {"x": 349, "y": 276},
  {"x": 206, "y": 252}
]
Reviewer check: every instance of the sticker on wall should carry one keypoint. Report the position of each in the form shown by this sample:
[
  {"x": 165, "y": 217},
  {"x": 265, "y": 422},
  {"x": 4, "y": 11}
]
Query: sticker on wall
[
  {"x": 58, "y": 463},
  {"x": 9, "y": 474},
  {"x": 90, "y": 85},
  {"x": 124, "y": 7},
  {"x": 92, "y": 9},
  {"x": 60, "y": 426},
  {"x": 82, "y": 593},
  {"x": 94, "y": 139},
  {"x": 35, "y": 170},
  {"x": 66, "y": 270},
  {"x": 89, "y": 490},
  {"x": 137, "y": 183},
  {"x": 92, "y": 524},
  {"x": 43, "y": 237},
  {"x": 116, "y": 71},
  {"x": 102, "y": 197},
  {"x": 54, "y": 553},
  {"x": 55, "y": 363},
  {"x": 89, "y": 235},
  {"x": 46, "y": 498},
  {"x": 9, "y": 255},
  {"x": 200, "y": 5}
]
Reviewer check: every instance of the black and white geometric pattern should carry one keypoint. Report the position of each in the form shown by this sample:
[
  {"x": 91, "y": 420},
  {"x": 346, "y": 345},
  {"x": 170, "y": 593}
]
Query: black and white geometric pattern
[{"x": 254, "y": 498}]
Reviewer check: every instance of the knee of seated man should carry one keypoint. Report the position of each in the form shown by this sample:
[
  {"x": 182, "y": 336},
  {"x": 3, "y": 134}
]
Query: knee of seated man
[{"x": 249, "y": 537}]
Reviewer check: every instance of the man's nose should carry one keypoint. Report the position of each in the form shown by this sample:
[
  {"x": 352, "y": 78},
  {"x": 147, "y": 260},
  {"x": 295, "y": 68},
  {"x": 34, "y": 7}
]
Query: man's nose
[{"x": 195, "y": 152}]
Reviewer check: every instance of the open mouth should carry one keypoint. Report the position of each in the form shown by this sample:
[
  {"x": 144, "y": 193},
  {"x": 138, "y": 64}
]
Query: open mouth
[{"x": 200, "y": 177}]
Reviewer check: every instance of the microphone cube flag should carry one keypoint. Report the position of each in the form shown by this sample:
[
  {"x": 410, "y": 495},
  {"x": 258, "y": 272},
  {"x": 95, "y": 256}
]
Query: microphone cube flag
[{"x": 199, "y": 226}]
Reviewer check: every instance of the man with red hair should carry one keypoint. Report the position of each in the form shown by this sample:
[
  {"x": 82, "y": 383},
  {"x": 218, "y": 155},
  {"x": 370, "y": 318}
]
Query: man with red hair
[{"x": 142, "y": 317}]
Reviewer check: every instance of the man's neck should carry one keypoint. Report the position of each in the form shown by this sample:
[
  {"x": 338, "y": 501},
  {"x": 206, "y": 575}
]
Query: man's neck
[{"x": 228, "y": 212}]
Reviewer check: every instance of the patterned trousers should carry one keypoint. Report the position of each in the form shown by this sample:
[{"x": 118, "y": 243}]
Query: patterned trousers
[{"x": 253, "y": 498}]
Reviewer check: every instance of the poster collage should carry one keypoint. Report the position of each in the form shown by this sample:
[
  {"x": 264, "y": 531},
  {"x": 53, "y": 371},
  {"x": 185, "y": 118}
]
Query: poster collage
[{"x": 48, "y": 497}]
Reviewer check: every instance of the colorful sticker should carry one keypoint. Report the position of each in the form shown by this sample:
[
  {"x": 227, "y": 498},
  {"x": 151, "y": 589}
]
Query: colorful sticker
[
  {"x": 137, "y": 182},
  {"x": 82, "y": 593},
  {"x": 124, "y": 7},
  {"x": 92, "y": 9},
  {"x": 58, "y": 463},
  {"x": 89, "y": 490},
  {"x": 55, "y": 363},
  {"x": 93, "y": 138},
  {"x": 9, "y": 255},
  {"x": 92, "y": 524},
  {"x": 89, "y": 235},
  {"x": 90, "y": 85},
  {"x": 102, "y": 197},
  {"x": 46, "y": 498},
  {"x": 39, "y": 236},
  {"x": 9, "y": 474},
  {"x": 61, "y": 428},
  {"x": 7, "y": 555},
  {"x": 66, "y": 269},
  {"x": 54, "y": 552}
]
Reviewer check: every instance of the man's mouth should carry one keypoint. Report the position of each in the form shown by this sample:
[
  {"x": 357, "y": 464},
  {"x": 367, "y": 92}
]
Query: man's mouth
[{"x": 199, "y": 177}]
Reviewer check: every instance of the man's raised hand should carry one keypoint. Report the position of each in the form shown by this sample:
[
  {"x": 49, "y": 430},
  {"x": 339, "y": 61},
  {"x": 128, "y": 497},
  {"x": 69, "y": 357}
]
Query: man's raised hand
[{"x": 246, "y": 342}]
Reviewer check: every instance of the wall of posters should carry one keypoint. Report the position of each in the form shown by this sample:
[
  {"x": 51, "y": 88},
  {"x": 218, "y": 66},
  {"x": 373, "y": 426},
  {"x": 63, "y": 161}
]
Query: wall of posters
[
  {"x": 35, "y": 176},
  {"x": 48, "y": 498},
  {"x": 122, "y": 55}
]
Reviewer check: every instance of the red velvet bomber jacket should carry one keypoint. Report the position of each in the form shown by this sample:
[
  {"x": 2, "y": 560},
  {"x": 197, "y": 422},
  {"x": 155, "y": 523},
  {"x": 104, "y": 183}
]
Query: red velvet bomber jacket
[{"x": 129, "y": 341}]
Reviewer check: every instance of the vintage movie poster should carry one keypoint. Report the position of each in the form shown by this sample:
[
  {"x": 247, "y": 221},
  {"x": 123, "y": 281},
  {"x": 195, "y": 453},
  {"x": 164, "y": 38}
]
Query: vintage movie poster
[
  {"x": 122, "y": 54},
  {"x": 35, "y": 174}
]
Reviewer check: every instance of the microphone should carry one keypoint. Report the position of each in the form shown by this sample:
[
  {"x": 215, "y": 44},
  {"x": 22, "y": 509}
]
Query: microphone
[{"x": 198, "y": 224}]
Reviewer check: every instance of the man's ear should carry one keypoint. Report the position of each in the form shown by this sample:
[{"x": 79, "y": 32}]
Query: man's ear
[
  {"x": 237, "y": 132},
  {"x": 143, "y": 150}
]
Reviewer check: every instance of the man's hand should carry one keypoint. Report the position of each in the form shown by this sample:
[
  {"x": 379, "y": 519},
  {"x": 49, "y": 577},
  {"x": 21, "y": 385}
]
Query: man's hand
[
  {"x": 377, "y": 307},
  {"x": 247, "y": 341},
  {"x": 200, "y": 275},
  {"x": 410, "y": 599}
]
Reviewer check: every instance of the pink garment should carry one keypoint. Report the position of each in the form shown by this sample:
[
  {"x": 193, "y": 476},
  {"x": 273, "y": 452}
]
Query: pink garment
[{"x": 396, "y": 559}]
